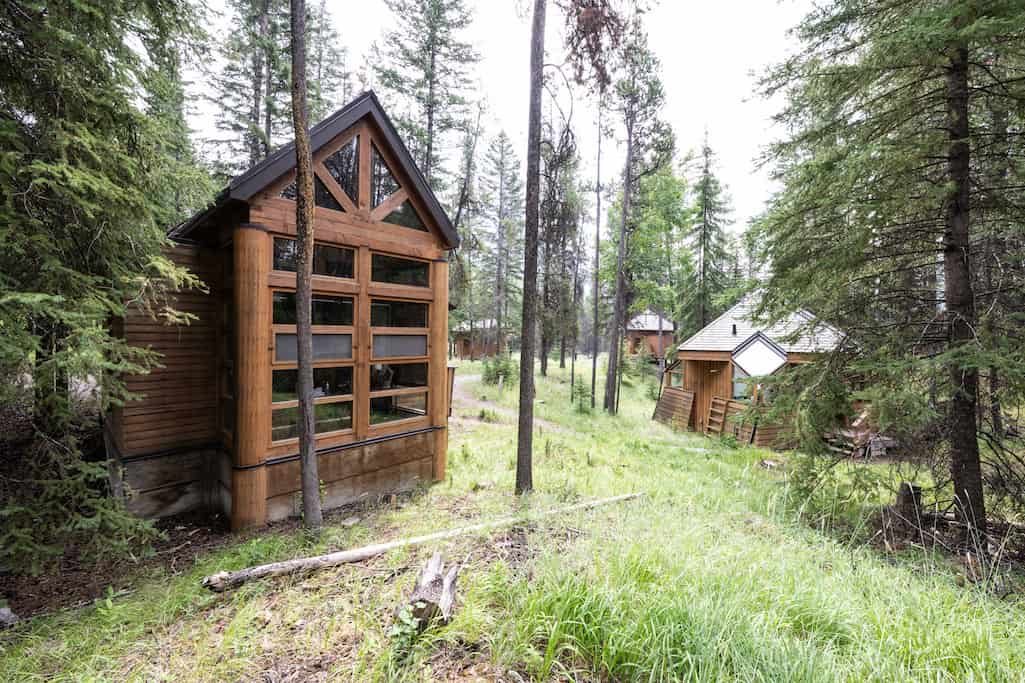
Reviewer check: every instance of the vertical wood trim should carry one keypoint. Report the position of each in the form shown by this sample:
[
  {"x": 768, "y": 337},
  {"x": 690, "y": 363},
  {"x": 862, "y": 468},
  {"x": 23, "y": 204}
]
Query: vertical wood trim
[
  {"x": 252, "y": 251},
  {"x": 364, "y": 171},
  {"x": 362, "y": 347},
  {"x": 438, "y": 382}
]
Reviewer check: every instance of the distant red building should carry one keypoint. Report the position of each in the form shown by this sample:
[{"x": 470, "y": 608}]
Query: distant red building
[{"x": 642, "y": 333}]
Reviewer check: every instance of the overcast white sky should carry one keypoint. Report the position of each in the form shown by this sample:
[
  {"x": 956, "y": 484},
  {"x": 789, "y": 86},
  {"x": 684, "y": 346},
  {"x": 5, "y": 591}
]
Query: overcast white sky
[{"x": 710, "y": 53}]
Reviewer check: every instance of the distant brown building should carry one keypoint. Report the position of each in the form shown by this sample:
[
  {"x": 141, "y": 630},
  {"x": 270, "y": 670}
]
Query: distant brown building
[
  {"x": 642, "y": 335},
  {"x": 473, "y": 339}
]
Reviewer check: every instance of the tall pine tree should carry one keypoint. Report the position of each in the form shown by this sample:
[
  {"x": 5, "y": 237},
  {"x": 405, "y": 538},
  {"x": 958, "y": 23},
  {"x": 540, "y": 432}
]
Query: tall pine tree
[
  {"x": 424, "y": 70},
  {"x": 709, "y": 240}
]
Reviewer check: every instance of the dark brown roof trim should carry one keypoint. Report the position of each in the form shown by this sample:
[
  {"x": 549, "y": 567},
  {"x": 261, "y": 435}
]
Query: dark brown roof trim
[{"x": 243, "y": 187}]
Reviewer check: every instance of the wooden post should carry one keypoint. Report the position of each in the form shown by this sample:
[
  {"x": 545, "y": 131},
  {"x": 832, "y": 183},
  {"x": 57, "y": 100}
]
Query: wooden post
[
  {"x": 439, "y": 367},
  {"x": 252, "y": 251},
  {"x": 362, "y": 347}
]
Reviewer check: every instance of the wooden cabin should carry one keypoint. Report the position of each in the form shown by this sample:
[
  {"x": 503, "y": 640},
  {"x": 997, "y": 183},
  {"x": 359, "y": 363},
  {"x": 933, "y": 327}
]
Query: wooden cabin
[
  {"x": 474, "y": 339},
  {"x": 216, "y": 426},
  {"x": 713, "y": 379},
  {"x": 642, "y": 333}
]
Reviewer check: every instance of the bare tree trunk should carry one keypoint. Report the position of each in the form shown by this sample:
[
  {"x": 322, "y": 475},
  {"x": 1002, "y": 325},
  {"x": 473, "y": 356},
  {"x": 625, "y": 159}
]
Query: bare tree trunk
[
  {"x": 312, "y": 516},
  {"x": 525, "y": 428},
  {"x": 966, "y": 469},
  {"x": 597, "y": 244},
  {"x": 612, "y": 376},
  {"x": 501, "y": 257},
  {"x": 661, "y": 351}
]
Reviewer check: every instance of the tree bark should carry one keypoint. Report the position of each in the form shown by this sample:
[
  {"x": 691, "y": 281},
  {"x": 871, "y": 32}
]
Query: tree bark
[
  {"x": 965, "y": 466},
  {"x": 612, "y": 376},
  {"x": 597, "y": 250},
  {"x": 525, "y": 427},
  {"x": 268, "y": 108},
  {"x": 312, "y": 516}
]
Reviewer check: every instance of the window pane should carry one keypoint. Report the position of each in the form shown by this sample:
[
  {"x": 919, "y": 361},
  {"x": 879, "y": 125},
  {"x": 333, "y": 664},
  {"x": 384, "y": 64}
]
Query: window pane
[
  {"x": 401, "y": 376},
  {"x": 741, "y": 388},
  {"x": 397, "y": 314},
  {"x": 676, "y": 379},
  {"x": 286, "y": 254},
  {"x": 399, "y": 345},
  {"x": 407, "y": 217},
  {"x": 390, "y": 408},
  {"x": 326, "y": 310},
  {"x": 327, "y": 417},
  {"x": 327, "y": 260},
  {"x": 322, "y": 196},
  {"x": 326, "y": 382},
  {"x": 325, "y": 347},
  {"x": 383, "y": 184},
  {"x": 290, "y": 191},
  {"x": 343, "y": 166},
  {"x": 398, "y": 271},
  {"x": 334, "y": 261}
]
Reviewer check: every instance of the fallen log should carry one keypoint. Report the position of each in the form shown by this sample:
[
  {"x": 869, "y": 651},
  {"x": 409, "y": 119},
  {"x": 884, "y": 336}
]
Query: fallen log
[{"x": 222, "y": 581}]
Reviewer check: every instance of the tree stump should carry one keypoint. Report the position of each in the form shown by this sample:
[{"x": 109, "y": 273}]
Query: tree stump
[
  {"x": 434, "y": 596},
  {"x": 903, "y": 519}
]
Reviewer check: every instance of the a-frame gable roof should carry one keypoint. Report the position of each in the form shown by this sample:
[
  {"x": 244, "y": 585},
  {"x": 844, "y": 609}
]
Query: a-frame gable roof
[
  {"x": 736, "y": 326},
  {"x": 245, "y": 186}
]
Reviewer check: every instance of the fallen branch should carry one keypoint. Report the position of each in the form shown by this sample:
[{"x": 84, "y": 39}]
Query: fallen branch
[{"x": 222, "y": 581}]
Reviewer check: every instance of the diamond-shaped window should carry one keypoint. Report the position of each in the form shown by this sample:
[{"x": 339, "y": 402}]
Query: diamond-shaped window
[
  {"x": 343, "y": 166},
  {"x": 382, "y": 182},
  {"x": 758, "y": 357},
  {"x": 406, "y": 216}
]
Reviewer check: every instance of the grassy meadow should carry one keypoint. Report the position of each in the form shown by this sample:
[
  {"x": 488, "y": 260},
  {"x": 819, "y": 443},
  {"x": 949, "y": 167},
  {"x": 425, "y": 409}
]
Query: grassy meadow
[{"x": 711, "y": 576}]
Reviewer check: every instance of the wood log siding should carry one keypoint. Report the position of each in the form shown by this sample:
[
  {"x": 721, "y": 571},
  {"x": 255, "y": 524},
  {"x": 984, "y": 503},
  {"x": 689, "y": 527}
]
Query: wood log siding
[
  {"x": 674, "y": 407},
  {"x": 178, "y": 404}
]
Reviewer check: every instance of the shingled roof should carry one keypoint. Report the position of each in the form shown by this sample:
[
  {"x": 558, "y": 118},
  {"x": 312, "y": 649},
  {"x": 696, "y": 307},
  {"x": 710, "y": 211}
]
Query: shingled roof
[
  {"x": 648, "y": 322},
  {"x": 246, "y": 185},
  {"x": 734, "y": 327}
]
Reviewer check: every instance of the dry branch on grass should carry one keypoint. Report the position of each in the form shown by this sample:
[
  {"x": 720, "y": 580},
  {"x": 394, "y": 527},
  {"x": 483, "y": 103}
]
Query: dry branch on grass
[{"x": 222, "y": 581}]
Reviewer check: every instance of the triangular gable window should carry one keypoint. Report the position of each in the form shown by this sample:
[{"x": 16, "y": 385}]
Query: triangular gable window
[
  {"x": 322, "y": 196},
  {"x": 343, "y": 166},
  {"x": 383, "y": 183},
  {"x": 406, "y": 216}
]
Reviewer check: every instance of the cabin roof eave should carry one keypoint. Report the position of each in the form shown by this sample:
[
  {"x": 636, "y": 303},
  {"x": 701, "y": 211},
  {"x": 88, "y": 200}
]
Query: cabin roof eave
[{"x": 243, "y": 187}]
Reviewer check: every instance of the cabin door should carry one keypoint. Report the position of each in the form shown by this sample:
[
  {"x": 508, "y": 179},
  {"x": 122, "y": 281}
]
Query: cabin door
[{"x": 706, "y": 378}]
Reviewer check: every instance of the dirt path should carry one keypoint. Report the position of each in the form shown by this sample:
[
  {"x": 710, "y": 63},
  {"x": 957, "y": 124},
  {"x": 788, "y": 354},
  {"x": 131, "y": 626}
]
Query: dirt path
[{"x": 465, "y": 404}]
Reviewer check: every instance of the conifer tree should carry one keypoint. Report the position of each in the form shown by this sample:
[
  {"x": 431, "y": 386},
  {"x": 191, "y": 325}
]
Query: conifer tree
[
  {"x": 709, "y": 241},
  {"x": 888, "y": 177},
  {"x": 423, "y": 70},
  {"x": 81, "y": 233},
  {"x": 502, "y": 205}
]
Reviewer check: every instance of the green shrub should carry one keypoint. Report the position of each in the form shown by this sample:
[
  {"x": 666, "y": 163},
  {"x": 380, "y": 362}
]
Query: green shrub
[
  {"x": 501, "y": 368},
  {"x": 581, "y": 397}
]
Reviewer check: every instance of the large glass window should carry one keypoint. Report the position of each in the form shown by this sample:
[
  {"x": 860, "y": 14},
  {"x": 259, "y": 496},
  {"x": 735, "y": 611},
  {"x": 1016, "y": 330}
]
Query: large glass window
[
  {"x": 325, "y": 347},
  {"x": 327, "y": 260},
  {"x": 384, "y": 313},
  {"x": 335, "y": 381},
  {"x": 322, "y": 196},
  {"x": 399, "y": 345},
  {"x": 406, "y": 216},
  {"x": 326, "y": 310},
  {"x": 343, "y": 166},
  {"x": 327, "y": 417},
  {"x": 390, "y": 408},
  {"x": 399, "y": 271},
  {"x": 382, "y": 182},
  {"x": 384, "y": 376}
]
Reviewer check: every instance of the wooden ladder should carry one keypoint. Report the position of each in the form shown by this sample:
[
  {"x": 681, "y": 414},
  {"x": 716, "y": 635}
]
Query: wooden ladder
[{"x": 716, "y": 416}]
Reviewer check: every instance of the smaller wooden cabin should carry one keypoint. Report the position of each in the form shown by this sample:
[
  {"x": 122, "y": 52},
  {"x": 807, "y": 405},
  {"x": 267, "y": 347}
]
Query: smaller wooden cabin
[
  {"x": 474, "y": 339},
  {"x": 709, "y": 385},
  {"x": 642, "y": 334},
  {"x": 215, "y": 427}
]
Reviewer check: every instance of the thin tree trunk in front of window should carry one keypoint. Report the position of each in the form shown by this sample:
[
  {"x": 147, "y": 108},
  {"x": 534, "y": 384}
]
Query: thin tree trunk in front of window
[{"x": 312, "y": 517}]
